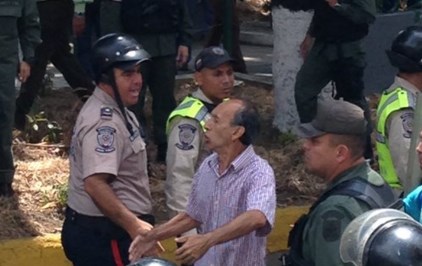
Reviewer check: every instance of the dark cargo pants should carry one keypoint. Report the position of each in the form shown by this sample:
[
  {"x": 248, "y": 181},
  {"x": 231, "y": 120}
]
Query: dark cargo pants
[{"x": 346, "y": 73}]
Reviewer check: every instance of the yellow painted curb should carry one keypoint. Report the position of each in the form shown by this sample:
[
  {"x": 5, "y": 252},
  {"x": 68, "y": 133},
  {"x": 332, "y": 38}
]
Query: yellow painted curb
[{"x": 47, "y": 250}]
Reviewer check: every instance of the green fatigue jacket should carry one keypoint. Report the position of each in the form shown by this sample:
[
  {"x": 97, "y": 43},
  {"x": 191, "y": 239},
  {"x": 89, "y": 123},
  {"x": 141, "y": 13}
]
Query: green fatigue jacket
[
  {"x": 358, "y": 12},
  {"x": 394, "y": 131},
  {"x": 164, "y": 44},
  {"x": 323, "y": 230},
  {"x": 19, "y": 25}
]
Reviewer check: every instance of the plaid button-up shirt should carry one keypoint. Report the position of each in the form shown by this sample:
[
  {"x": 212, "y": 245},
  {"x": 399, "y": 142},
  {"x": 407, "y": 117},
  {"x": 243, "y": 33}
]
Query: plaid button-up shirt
[{"x": 216, "y": 199}]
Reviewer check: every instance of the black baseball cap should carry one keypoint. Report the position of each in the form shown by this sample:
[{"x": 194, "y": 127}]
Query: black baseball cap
[{"x": 212, "y": 57}]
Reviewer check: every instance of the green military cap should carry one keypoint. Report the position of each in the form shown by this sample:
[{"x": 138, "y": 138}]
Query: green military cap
[{"x": 335, "y": 117}]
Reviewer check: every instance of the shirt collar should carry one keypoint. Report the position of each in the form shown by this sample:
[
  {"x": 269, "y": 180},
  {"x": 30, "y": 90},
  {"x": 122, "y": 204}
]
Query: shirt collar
[
  {"x": 199, "y": 94},
  {"x": 404, "y": 84},
  {"x": 239, "y": 162},
  {"x": 104, "y": 97},
  {"x": 350, "y": 173}
]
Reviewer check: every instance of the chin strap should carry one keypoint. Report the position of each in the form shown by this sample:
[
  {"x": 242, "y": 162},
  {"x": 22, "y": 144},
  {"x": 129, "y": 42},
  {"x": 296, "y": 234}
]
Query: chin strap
[{"x": 119, "y": 101}]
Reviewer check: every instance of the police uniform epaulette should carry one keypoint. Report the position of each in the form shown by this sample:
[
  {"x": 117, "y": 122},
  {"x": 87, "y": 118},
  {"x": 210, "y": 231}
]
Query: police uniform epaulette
[{"x": 106, "y": 113}]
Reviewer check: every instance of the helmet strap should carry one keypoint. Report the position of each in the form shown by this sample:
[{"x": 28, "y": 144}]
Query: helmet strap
[{"x": 118, "y": 99}]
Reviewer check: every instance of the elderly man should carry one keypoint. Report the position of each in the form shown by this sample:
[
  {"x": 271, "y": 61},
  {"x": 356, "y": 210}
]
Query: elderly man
[
  {"x": 232, "y": 203},
  {"x": 109, "y": 201},
  {"x": 333, "y": 150},
  {"x": 185, "y": 127}
]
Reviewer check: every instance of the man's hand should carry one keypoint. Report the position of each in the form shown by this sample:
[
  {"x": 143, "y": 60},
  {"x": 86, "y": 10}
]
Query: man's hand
[
  {"x": 24, "y": 71},
  {"x": 143, "y": 228},
  {"x": 332, "y": 3},
  {"x": 143, "y": 246},
  {"x": 194, "y": 247},
  {"x": 182, "y": 55},
  {"x": 306, "y": 46}
]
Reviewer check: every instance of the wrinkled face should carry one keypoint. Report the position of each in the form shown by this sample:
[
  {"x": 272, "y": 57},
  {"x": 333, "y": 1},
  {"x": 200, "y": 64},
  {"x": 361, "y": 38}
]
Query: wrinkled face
[
  {"x": 219, "y": 128},
  {"x": 419, "y": 149},
  {"x": 319, "y": 155},
  {"x": 217, "y": 83},
  {"x": 129, "y": 83}
]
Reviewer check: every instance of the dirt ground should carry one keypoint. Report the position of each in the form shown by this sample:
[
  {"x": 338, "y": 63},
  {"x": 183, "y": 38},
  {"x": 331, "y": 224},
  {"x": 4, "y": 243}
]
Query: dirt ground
[{"x": 42, "y": 168}]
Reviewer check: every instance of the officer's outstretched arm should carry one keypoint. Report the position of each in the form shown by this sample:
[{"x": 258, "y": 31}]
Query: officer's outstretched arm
[{"x": 98, "y": 188}]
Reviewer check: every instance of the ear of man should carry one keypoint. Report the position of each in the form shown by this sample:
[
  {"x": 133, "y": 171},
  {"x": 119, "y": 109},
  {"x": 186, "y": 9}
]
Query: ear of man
[
  {"x": 198, "y": 78},
  {"x": 238, "y": 132},
  {"x": 342, "y": 153}
]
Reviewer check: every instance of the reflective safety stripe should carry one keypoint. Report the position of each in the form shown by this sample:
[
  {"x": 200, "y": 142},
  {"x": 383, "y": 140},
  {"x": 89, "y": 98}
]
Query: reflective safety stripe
[
  {"x": 190, "y": 107},
  {"x": 390, "y": 102}
]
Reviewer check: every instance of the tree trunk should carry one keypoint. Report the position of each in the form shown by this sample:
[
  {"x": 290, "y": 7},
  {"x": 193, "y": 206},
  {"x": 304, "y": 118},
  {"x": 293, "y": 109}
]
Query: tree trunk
[{"x": 289, "y": 30}]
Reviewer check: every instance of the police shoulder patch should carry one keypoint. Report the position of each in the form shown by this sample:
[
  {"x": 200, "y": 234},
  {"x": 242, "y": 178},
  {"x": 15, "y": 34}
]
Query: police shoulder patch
[
  {"x": 106, "y": 113},
  {"x": 331, "y": 227},
  {"x": 105, "y": 139},
  {"x": 186, "y": 136},
  {"x": 407, "y": 122}
]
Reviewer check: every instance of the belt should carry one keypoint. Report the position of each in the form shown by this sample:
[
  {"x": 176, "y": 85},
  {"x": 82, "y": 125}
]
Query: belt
[{"x": 101, "y": 224}]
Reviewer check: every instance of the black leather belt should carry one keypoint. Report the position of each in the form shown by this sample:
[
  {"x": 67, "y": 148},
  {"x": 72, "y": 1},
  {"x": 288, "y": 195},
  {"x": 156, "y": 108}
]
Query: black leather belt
[{"x": 101, "y": 224}]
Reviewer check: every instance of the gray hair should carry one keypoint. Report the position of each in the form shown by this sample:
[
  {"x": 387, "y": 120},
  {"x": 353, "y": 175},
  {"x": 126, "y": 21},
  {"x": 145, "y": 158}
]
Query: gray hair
[{"x": 247, "y": 116}]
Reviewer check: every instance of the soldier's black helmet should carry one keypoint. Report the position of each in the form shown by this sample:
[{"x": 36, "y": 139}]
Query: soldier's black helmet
[
  {"x": 150, "y": 261},
  {"x": 116, "y": 50},
  {"x": 397, "y": 243},
  {"x": 382, "y": 237},
  {"x": 406, "y": 50}
]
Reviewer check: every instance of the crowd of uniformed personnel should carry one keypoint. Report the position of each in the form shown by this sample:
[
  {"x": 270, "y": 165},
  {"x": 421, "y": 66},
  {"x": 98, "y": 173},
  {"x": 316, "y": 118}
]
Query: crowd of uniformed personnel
[{"x": 220, "y": 194}]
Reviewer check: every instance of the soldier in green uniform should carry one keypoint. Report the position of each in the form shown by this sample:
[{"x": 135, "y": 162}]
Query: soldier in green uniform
[
  {"x": 332, "y": 52},
  {"x": 333, "y": 150},
  {"x": 164, "y": 31},
  {"x": 19, "y": 20}
]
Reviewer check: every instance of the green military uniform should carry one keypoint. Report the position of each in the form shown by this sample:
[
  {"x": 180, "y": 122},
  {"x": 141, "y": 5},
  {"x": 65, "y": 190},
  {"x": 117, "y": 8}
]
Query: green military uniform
[
  {"x": 323, "y": 230},
  {"x": 159, "y": 74},
  {"x": 19, "y": 25},
  {"x": 336, "y": 55},
  {"x": 394, "y": 130}
]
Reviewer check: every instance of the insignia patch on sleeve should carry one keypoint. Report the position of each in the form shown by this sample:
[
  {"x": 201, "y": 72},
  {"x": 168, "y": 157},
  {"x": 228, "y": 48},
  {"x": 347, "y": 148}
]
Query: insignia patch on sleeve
[
  {"x": 407, "y": 122},
  {"x": 331, "y": 228},
  {"x": 106, "y": 113},
  {"x": 186, "y": 137},
  {"x": 105, "y": 139}
]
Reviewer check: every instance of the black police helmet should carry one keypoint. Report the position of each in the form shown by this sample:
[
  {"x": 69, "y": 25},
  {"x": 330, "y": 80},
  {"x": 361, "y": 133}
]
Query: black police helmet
[
  {"x": 152, "y": 262},
  {"x": 116, "y": 50},
  {"x": 406, "y": 50},
  {"x": 396, "y": 243}
]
